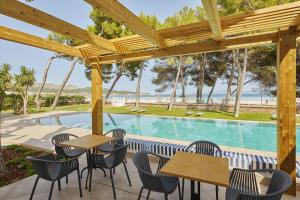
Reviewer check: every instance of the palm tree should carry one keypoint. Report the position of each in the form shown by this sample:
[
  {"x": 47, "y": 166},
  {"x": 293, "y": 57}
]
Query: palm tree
[
  {"x": 5, "y": 82},
  {"x": 23, "y": 81}
]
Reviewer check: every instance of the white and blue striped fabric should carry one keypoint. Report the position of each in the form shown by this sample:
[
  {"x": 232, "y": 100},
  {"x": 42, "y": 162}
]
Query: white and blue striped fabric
[{"x": 236, "y": 160}]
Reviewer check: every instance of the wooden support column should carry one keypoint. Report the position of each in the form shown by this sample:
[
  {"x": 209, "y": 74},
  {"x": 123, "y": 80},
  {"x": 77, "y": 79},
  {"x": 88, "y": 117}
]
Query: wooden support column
[
  {"x": 97, "y": 100},
  {"x": 286, "y": 105}
]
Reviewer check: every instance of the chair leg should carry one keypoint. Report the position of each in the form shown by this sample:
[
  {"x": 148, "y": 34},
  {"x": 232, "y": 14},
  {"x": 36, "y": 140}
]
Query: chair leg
[
  {"x": 112, "y": 182},
  {"x": 179, "y": 191},
  {"x": 103, "y": 171},
  {"x": 59, "y": 186},
  {"x": 86, "y": 180},
  {"x": 51, "y": 190},
  {"x": 217, "y": 192},
  {"x": 199, "y": 189},
  {"x": 90, "y": 184},
  {"x": 67, "y": 179},
  {"x": 182, "y": 191},
  {"x": 79, "y": 182},
  {"x": 148, "y": 195},
  {"x": 34, "y": 186},
  {"x": 166, "y": 196},
  {"x": 127, "y": 173},
  {"x": 140, "y": 194},
  {"x": 83, "y": 171}
]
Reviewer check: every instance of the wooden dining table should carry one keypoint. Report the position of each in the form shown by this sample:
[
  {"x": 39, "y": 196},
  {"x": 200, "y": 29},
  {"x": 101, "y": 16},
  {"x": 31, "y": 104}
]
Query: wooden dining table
[
  {"x": 200, "y": 168},
  {"x": 88, "y": 143}
]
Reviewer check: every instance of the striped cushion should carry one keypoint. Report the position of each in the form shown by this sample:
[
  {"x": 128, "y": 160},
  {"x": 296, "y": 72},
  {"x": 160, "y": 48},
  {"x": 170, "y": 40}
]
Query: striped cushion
[{"x": 236, "y": 160}]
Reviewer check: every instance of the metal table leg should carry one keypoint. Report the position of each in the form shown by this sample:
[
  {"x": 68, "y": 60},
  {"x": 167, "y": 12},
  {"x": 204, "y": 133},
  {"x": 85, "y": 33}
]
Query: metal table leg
[{"x": 195, "y": 195}]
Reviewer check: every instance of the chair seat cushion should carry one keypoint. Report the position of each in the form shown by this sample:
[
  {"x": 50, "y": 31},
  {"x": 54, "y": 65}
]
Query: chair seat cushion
[
  {"x": 106, "y": 147},
  {"x": 232, "y": 194},
  {"x": 75, "y": 153},
  {"x": 170, "y": 183}
]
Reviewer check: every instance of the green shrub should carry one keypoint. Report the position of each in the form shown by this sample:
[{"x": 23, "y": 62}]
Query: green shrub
[
  {"x": 12, "y": 147},
  {"x": 13, "y": 101}
]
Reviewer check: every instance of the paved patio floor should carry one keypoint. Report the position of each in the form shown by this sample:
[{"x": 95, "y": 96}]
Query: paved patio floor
[{"x": 101, "y": 188}]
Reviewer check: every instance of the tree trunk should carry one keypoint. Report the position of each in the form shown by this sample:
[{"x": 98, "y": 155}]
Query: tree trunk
[
  {"x": 138, "y": 86},
  {"x": 175, "y": 85},
  {"x": 112, "y": 86},
  {"x": 37, "y": 96},
  {"x": 57, "y": 95},
  {"x": 241, "y": 76},
  {"x": 211, "y": 91},
  {"x": 118, "y": 76},
  {"x": 230, "y": 80},
  {"x": 25, "y": 101},
  {"x": 245, "y": 83},
  {"x": 200, "y": 85},
  {"x": 183, "y": 82}
]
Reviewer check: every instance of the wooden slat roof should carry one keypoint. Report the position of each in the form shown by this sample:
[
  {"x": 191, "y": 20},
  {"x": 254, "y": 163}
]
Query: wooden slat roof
[
  {"x": 247, "y": 24},
  {"x": 251, "y": 28}
]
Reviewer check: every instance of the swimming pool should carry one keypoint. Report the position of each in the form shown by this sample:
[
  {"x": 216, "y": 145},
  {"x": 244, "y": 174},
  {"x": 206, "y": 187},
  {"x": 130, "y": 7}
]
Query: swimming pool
[{"x": 250, "y": 135}]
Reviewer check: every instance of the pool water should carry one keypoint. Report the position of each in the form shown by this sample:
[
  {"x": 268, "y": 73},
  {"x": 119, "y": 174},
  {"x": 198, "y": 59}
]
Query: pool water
[{"x": 250, "y": 135}]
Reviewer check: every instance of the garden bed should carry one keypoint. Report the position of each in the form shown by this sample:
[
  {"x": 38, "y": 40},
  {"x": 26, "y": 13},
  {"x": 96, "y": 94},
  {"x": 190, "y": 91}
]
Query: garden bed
[{"x": 17, "y": 167}]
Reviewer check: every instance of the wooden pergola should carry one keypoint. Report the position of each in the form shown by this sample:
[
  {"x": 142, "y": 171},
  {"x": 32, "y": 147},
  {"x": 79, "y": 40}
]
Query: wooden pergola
[{"x": 279, "y": 25}]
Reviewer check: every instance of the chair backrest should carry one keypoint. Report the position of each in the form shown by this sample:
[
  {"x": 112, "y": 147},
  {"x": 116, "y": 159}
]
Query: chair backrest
[
  {"x": 279, "y": 183},
  {"x": 150, "y": 180},
  {"x": 205, "y": 148},
  {"x": 41, "y": 165},
  {"x": 58, "y": 139},
  {"x": 118, "y": 154},
  {"x": 118, "y": 134}
]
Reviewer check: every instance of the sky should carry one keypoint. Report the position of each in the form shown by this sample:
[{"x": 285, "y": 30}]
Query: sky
[{"x": 77, "y": 13}]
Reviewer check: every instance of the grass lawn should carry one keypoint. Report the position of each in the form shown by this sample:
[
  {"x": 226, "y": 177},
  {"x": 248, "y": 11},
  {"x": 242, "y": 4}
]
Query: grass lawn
[
  {"x": 162, "y": 111},
  {"x": 180, "y": 112}
]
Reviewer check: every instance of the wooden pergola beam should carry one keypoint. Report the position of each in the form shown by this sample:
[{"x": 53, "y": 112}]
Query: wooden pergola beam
[
  {"x": 204, "y": 46},
  {"x": 31, "y": 40},
  {"x": 25, "y": 13},
  {"x": 211, "y": 10},
  {"x": 286, "y": 105},
  {"x": 97, "y": 99},
  {"x": 124, "y": 16}
]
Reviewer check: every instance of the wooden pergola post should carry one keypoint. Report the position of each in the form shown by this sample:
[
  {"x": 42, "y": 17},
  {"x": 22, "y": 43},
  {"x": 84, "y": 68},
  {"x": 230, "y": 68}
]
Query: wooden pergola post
[
  {"x": 286, "y": 105},
  {"x": 97, "y": 100}
]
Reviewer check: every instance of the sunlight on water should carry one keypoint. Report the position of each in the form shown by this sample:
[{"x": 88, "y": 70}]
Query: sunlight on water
[{"x": 251, "y": 135}]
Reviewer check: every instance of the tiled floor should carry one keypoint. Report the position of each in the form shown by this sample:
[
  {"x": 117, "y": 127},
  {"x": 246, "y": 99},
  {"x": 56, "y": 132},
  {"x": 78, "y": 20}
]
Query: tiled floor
[{"x": 101, "y": 188}]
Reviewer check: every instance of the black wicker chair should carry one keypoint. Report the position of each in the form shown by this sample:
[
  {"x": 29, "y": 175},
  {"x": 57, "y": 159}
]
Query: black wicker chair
[
  {"x": 205, "y": 148},
  {"x": 64, "y": 151},
  {"x": 118, "y": 135},
  {"x": 243, "y": 185},
  {"x": 110, "y": 160},
  {"x": 50, "y": 169},
  {"x": 156, "y": 182}
]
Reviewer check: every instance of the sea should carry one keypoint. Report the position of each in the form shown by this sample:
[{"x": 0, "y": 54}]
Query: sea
[{"x": 255, "y": 99}]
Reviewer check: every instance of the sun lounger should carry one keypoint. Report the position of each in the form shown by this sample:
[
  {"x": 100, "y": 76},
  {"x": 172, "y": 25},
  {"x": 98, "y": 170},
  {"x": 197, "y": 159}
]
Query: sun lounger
[
  {"x": 189, "y": 113},
  {"x": 199, "y": 114},
  {"x": 141, "y": 110}
]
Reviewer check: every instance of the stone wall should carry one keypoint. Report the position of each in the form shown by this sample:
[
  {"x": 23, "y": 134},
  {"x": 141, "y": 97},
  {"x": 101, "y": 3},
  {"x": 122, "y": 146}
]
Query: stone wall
[{"x": 214, "y": 107}]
